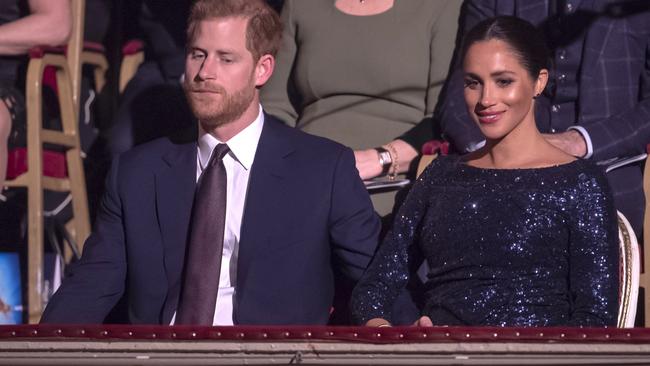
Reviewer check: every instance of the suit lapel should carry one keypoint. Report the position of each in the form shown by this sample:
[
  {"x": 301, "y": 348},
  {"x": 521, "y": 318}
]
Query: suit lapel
[
  {"x": 175, "y": 186},
  {"x": 268, "y": 176}
]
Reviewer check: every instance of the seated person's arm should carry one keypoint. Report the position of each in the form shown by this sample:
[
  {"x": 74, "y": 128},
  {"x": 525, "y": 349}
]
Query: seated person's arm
[
  {"x": 625, "y": 133},
  {"x": 353, "y": 224},
  {"x": 95, "y": 283},
  {"x": 396, "y": 260},
  {"x": 367, "y": 161},
  {"x": 407, "y": 146},
  {"x": 593, "y": 255},
  {"x": 48, "y": 24}
]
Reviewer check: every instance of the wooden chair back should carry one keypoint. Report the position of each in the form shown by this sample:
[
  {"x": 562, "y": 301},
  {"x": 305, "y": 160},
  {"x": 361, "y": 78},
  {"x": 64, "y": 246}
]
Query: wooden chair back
[
  {"x": 68, "y": 75},
  {"x": 644, "y": 280},
  {"x": 630, "y": 268}
]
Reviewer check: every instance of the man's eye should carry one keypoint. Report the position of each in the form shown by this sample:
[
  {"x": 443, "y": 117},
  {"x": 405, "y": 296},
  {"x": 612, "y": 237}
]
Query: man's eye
[
  {"x": 196, "y": 55},
  {"x": 227, "y": 60}
]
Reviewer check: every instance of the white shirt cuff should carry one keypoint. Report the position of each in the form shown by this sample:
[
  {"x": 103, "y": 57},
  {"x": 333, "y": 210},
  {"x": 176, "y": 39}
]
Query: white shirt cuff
[
  {"x": 585, "y": 136},
  {"x": 473, "y": 146}
]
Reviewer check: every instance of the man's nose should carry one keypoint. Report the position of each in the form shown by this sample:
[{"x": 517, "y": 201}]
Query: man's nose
[{"x": 208, "y": 69}]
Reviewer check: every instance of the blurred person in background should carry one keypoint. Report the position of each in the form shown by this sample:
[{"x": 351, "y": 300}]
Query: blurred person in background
[{"x": 362, "y": 73}]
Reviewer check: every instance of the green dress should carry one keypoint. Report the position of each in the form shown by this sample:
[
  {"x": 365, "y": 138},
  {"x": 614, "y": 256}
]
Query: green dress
[{"x": 361, "y": 80}]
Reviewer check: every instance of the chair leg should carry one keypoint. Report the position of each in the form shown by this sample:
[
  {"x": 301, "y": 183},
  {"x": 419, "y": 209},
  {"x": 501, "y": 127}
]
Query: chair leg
[
  {"x": 79, "y": 197},
  {"x": 76, "y": 175},
  {"x": 645, "y": 248},
  {"x": 35, "y": 254},
  {"x": 34, "y": 193}
]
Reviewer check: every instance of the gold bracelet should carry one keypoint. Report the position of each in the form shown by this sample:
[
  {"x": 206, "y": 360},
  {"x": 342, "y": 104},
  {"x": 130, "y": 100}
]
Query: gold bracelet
[{"x": 395, "y": 159}]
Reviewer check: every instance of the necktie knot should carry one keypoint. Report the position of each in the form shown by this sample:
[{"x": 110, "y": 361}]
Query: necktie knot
[{"x": 218, "y": 153}]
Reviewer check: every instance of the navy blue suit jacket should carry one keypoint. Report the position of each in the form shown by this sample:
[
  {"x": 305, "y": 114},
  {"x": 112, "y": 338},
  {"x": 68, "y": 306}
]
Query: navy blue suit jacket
[{"x": 307, "y": 219}]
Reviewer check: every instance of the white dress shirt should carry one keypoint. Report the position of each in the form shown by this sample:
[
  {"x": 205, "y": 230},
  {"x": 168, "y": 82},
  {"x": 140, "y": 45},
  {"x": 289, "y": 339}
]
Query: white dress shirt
[{"x": 238, "y": 164}]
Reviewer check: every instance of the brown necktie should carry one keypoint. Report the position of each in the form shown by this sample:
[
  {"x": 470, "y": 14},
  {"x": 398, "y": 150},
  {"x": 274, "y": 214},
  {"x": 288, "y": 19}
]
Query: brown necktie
[{"x": 203, "y": 258}]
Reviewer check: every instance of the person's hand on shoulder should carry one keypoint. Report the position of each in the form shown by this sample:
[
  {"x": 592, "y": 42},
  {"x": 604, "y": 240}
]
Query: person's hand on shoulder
[{"x": 571, "y": 142}]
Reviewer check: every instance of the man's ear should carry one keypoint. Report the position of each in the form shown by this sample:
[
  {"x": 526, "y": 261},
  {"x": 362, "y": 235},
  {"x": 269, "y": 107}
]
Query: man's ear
[
  {"x": 542, "y": 80},
  {"x": 264, "y": 69}
]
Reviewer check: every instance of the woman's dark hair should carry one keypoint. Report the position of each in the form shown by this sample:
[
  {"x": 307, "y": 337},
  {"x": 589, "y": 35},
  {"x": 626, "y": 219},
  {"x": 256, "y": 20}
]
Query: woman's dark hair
[{"x": 526, "y": 42}]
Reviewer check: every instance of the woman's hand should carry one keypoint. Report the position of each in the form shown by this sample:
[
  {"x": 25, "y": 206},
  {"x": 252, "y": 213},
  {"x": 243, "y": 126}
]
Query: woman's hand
[
  {"x": 571, "y": 142},
  {"x": 424, "y": 321},
  {"x": 377, "y": 322},
  {"x": 367, "y": 162}
]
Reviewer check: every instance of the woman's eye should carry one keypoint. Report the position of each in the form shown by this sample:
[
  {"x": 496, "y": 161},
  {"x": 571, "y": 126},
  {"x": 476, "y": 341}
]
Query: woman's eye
[
  {"x": 504, "y": 82},
  {"x": 472, "y": 84}
]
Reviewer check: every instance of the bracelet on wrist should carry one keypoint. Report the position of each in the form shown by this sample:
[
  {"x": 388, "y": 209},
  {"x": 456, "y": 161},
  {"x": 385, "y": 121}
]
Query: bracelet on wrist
[
  {"x": 395, "y": 161},
  {"x": 385, "y": 160}
]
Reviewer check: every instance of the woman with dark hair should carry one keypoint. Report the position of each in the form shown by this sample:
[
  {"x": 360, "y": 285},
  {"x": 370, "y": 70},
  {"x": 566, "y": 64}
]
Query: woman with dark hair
[{"x": 518, "y": 233}]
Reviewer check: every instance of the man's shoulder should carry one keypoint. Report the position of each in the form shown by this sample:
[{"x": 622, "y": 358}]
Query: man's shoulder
[
  {"x": 304, "y": 141},
  {"x": 155, "y": 151}
]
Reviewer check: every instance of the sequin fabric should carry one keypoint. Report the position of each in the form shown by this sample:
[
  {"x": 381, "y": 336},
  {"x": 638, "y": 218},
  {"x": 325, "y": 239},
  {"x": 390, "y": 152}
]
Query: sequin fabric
[{"x": 505, "y": 247}]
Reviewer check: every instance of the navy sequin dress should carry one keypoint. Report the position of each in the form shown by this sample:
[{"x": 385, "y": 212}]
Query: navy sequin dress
[{"x": 505, "y": 247}]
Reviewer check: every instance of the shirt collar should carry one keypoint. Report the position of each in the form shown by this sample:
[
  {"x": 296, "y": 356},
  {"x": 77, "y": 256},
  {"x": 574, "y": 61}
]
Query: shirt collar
[{"x": 242, "y": 146}]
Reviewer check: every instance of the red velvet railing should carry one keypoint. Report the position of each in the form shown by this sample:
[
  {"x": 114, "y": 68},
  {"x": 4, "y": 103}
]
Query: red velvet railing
[
  {"x": 48, "y": 345},
  {"x": 319, "y": 333}
]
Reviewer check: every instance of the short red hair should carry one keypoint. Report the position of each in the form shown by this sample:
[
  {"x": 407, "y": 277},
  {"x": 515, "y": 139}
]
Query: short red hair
[{"x": 264, "y": 29}]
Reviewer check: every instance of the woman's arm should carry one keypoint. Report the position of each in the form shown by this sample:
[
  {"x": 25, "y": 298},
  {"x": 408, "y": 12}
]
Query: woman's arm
[
  {"x": 593, "y": 253},
  {"x": 397, "y": 258},
  {"x": 367, "y": 161},
  {"x": 407, "y": 146},
  {"x": 48, "y": 24}
]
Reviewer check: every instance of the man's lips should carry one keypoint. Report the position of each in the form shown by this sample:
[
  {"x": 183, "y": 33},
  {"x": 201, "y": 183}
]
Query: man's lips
[
  {"x": 205, "y": 88},
  {"x": 489, "y": 117},
  {"x": 205, "y": 91}
]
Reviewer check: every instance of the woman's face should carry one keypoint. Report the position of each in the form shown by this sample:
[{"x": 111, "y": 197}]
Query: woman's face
[{"x": 498, "y": 89}]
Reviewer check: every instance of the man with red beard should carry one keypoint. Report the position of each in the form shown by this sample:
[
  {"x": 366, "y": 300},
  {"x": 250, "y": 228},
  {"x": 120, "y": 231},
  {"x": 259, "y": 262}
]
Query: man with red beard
[{"x": 251, "y": 224}]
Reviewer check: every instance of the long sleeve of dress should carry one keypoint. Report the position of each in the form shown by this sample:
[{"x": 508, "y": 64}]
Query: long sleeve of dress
[
  {"x": 361, "y": 80},
  {"x": 397, "y": 258},
  {"x": 593, "y": 254},
  {"x": 506, "y": 247},
  {"x": 443, "y": 36}
]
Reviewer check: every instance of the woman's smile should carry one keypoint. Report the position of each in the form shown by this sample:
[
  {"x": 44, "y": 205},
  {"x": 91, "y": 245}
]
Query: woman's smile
[{"x": 489, "y": 117}]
